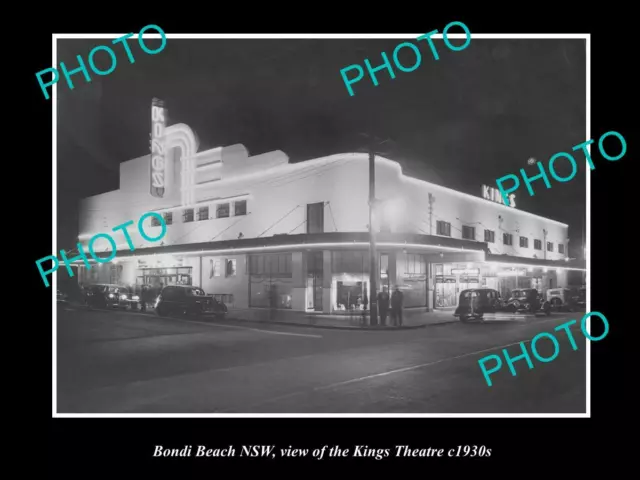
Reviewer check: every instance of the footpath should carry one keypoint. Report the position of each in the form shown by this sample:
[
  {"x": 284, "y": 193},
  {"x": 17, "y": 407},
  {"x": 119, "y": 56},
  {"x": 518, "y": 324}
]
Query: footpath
[{"x": 412, "y": 318}]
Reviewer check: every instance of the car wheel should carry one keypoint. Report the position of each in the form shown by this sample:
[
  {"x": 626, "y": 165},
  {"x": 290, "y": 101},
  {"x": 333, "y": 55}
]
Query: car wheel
[{"x": 161, "y": 311}]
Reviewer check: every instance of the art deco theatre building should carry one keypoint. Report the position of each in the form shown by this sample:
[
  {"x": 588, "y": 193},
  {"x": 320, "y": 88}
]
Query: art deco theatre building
[{"x": 244, "y": 227}]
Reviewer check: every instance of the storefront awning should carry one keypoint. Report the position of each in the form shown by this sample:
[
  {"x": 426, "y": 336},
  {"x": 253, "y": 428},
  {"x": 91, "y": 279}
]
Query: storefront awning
[
  {"x": 509, "y": 260},
  {"x": 328, "y": 240}
]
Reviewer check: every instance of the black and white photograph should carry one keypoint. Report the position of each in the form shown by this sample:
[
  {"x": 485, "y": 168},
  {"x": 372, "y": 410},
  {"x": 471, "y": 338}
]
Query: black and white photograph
[{"x": 313, "y": 225}]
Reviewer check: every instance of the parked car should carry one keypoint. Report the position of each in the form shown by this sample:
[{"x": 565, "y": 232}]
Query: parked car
[
  {"x": 527, "y": 300},
  {"x": 106, "y": 296},
  {"x": 562, "y": 298},
  {"x": 188, "y": 300},
  {"x": 580, "y": 300},
  {"x": 475, "y": 302},
  {"x": 61, "y": 297},
  {"x": 129, "y": 297}
]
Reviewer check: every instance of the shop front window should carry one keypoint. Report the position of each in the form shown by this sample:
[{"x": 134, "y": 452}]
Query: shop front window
[
  {"x": 270, "y": 281},
  {"x": 414, "y": 283},
  {"x": 161, "y": 277},
  {"x": 349, "y": 280},
  {"x": 231, "y": 267}
]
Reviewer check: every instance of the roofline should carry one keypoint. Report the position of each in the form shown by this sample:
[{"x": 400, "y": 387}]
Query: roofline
[
  {"x": 393, "y": 163},
  {"x": 396, "y": 164}
]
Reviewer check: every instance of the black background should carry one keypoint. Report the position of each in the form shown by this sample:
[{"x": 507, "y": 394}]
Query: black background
[{"x": 91, "y": 447}]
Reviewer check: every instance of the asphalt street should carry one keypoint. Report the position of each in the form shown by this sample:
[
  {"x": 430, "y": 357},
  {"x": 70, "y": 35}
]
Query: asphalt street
[{"x": 121, "y": 362}]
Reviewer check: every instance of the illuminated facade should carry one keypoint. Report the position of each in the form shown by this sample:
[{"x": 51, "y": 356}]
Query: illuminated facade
[{"x": 258, "y": 229}]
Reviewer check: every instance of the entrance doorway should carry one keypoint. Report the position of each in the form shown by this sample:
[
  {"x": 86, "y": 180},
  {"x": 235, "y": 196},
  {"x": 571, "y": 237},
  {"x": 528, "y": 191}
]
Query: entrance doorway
[
  {"x": 315, "y": 278},
  {"x": 445, "y": 292}
]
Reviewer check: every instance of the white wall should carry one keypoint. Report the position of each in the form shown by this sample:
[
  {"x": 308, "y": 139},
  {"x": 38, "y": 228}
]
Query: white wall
[
  {"x": 238, "y": 285},
  {"x": 278, "y": 195}
]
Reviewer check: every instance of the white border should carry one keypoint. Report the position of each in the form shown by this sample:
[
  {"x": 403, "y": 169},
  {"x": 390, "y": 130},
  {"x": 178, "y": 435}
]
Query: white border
[{"x": 54, "y": 200}]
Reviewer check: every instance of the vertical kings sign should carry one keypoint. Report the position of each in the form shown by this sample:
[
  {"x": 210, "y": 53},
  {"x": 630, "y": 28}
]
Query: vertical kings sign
[{"x": 158, "y": 160}]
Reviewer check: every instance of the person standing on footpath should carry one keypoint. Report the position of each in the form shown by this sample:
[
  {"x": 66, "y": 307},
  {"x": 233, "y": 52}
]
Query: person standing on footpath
[
  {"x": 383, "y": 306},
  {"x": 397, "y": 301}
]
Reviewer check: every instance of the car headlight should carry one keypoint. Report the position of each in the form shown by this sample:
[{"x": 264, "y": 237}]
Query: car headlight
[
  {"x": 135, "y": 297},
  {"x": 123, "y": 297},
  {"x": 111, "y": 295}
]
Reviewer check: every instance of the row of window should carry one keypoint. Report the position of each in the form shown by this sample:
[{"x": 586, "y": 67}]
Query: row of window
[
  {"x": 469, "y": 233},
  {"x": 223, "y": 210}
]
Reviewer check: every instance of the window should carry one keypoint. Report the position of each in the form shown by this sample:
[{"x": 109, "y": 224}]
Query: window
[
  {"x": 222, "y": 210},
  {"x": 231, "y": 267},
  {"x": 315, "y": 217},
  {"x": 155, "y": 222},
  {"x": 489, "y": 236},
  {"x": 240, "y": 208},
  {"x": 549, "y": 246},
  {"x": 561, "y": 247},
  {"x": 416, "y": 265},
  {"x": 384, "y": 265},
  {"x": 187, "y": 215},
  {"x": 168, "y": 218},
  {"x": 203, "y": 213},
  {"x": 444, "y": 228},
  {"x": 537, "y": 244},
  {"x": 277, "y": 264},
  {"x": 216, "y": 269},
  {"x": 524, "y": 242},
  {"x": 468, "y": 233},
  {"x": 507, "y": 239}
]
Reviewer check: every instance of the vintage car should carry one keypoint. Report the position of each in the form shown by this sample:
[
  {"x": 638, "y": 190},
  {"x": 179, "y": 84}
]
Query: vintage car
[
  {"x": 61, "y": 297},
  {"x": 106, "y": 296},
  {"x": 188, "y": 300},
  {"x": 580, "y": 300},
  {"x": 527, "y": 300},
  {"x": 475, "y": 302},
  {"x": 129, "y": 297},
  {"x": 562, "y": 298}
]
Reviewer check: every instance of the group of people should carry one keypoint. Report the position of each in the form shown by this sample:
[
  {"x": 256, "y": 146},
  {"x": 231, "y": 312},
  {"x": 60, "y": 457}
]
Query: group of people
[{"x": 393, "y": 305}]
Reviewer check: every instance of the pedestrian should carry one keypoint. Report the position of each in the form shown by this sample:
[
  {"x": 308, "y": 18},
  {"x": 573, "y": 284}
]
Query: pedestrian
[
  {"x": 273, "y": 302},
  {"x": 383, "y": 305},
  {"x": 397, "y": 301},
  {"x": 144, "y": 297},
  {"x": 365, "y": 304}
]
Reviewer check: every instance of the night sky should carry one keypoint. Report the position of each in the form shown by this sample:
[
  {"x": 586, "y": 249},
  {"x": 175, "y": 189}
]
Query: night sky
[{"x": 461, "y": 121}]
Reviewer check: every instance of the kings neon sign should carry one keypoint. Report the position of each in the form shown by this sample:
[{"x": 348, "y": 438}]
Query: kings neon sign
[{"x": 158, "y": 161}]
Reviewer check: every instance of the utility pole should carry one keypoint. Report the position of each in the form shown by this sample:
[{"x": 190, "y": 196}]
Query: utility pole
[
  {"x": 431, "y": 200},
  {"x": 372, "y": 144},
  {"x": 373, "y": 255}
]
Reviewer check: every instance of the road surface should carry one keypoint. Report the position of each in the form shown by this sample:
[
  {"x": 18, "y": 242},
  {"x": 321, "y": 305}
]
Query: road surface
[{"x": 128, "y": 363}]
